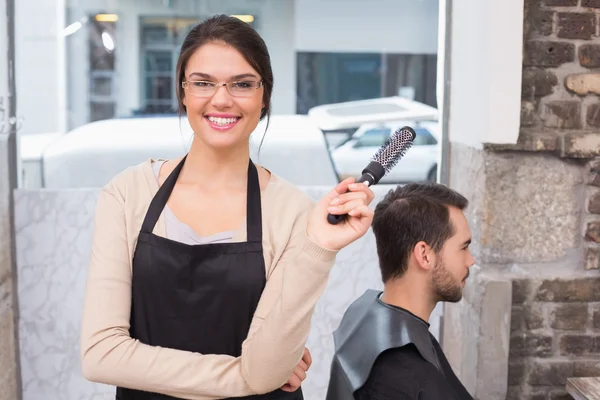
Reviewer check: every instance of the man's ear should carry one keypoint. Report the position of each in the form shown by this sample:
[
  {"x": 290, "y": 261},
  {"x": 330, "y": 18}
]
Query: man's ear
[{"x": 424, "y": 255}]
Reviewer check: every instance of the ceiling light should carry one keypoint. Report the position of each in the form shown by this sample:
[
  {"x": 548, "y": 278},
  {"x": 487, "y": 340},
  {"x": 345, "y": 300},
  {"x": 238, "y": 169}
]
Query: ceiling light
[
  {"x": 244, "y": 17},
  {"x": 107, "y": 17}
]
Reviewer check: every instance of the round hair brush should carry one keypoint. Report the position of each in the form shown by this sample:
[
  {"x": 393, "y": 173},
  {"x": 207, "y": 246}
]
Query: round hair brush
[{"x": 383, "y": 161}]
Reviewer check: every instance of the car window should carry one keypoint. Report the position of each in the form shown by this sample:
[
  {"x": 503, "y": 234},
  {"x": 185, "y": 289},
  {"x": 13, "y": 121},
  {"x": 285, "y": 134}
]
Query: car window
[
  {"x": 424, "y": 137},
  {"x": 373, "y": 137}
]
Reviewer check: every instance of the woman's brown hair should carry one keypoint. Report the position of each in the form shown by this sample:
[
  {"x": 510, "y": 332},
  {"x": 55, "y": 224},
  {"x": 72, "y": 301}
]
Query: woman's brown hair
[{"x": 238, "y": 34}]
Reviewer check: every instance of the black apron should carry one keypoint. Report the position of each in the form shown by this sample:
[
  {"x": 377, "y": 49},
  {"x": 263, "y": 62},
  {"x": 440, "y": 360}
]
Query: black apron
[{"x": 198, "y": 298}]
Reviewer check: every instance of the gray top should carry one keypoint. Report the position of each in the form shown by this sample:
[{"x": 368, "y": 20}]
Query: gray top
[{"x": 180, "y": 232}]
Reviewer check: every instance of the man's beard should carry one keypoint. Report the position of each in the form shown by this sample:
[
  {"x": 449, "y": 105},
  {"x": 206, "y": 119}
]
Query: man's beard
[{"x": 445, "y": 286}]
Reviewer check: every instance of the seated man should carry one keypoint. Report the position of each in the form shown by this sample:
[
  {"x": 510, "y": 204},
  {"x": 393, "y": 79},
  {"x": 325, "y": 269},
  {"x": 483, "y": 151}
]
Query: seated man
[{"x": 384, "y": 349}]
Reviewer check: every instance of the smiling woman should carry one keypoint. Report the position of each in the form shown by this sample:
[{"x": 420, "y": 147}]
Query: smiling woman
[
  {"x": 191, "y": 257},
  {"x": 226, "y": 55}
]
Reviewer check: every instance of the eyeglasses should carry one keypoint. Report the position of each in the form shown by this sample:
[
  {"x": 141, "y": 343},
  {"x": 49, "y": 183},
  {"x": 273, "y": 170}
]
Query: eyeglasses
[{"x": 208, "y": 88}]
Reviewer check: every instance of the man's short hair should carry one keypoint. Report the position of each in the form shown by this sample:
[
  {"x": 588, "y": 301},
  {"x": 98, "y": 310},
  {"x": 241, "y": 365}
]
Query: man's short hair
[{"x": 410, "y": 214}]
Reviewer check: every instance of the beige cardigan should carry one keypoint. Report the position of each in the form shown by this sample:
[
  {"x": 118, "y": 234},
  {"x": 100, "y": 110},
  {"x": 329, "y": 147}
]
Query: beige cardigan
[{"x": 296, "y": 270}]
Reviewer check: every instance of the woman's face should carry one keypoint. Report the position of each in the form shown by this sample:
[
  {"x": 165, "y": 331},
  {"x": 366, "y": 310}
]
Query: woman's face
[{"x": 221, "y": 119}]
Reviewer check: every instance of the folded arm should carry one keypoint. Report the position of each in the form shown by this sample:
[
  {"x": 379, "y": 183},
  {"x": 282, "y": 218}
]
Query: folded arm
[{"x": 270, "y": 353}]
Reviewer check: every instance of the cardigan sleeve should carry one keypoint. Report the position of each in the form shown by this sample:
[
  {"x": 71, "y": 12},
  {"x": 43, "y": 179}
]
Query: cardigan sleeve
[
  {"x": 282, "y": 322},
  {"x": 110, "y": 356}
]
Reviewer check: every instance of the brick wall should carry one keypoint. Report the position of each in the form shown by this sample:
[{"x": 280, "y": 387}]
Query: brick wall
[
  {"x": 561, "y": 65},
  {"x": 555, "y": 323},
  {"x": 555, "y": 334}
]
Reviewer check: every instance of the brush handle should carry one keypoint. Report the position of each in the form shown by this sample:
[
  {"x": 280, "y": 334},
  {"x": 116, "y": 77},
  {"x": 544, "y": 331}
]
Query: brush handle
[{"x": 336, "y": 219}]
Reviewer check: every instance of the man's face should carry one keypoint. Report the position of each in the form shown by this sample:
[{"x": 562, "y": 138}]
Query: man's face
[{"x": 451, "y": 269}]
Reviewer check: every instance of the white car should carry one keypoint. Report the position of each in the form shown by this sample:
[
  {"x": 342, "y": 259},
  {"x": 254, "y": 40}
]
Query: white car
[
  {"x": 297, "y": 147},
  {"x": 90, "y": 155},
  {"x": 418, "y": 164}
]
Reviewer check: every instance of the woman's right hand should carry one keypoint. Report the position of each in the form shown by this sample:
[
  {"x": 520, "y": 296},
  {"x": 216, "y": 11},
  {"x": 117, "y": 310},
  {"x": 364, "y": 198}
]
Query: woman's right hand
[
  {"x": 349, "y": 198},
  {"x": 299, "y": 373}
]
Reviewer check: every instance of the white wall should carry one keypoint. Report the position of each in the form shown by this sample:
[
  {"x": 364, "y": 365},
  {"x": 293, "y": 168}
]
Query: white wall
[
  {"x": 40, "y": 69},
  {"x": 486, "y": 70},
  {"x": 392, "y": 26}
]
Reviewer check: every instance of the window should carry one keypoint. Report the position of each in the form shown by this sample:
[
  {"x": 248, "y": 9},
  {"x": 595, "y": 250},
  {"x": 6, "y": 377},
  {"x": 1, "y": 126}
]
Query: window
[
  {"x": 326, "y": 78},
  {"x": 424, "y": 137},
  {"x": 102, "y": 96},
  {"x": 373, "y": 138},
  {"x": 161, "y": 40}
]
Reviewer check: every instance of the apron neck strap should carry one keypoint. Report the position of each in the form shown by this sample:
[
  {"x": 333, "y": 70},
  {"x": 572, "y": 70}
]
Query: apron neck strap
[
  {"x": 253, "y": 206},
  {"x": 253, "y": 202}
]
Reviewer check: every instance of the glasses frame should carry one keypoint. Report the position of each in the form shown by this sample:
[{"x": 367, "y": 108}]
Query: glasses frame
[{"x": 217, "y": 86}]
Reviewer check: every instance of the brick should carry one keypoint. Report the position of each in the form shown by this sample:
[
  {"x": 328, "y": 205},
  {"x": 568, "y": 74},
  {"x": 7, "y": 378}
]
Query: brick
[
  {"x": 541, "y": 22},
  {"x": 592, "y": 233},
  {"x": 556, "y": 372},
  {"x": 516, "y": 373},
  {"x": 543, "y": 53},
  {"x": 531, "y": 9},
  {"x": 592, "y": 117},
  {"x": 514, "y": 393},
  {"x": 521, "y": 290},
  {"x": 592, "y": 258},
  {"x": 528, "y": 114},
  {"x": 585, "y": 368},
  {"x": 576, "y": 25},
  {"x": 563, "y": 114},
  {"x": 517, "y": 319},
  {"x": 583, "y": 84},
  {"x": 530, "y": 346},
  {"x": 550, "y": 373},
  {"x": 534, "y": 317},
  {"x": 589, "y": 55},
  {"x": 595, "y": 180},
  {"x": 576, "y": 290},
  {"x": 580, "y": 145},
  {"x": 595, "y": 166},
  {"x": 579, "y": 345},
  {"x": 590, "y": 3},
  {"x": 537, "y": 396},
  {"x": 596, "y": 320},
  {"x": 561, "y": 3},
  {"x": 571, "y": 317},
  {"x": 594, "y": 203},
  {"x": 537, "y": 82},
  {"x": 560, "y": 395}
]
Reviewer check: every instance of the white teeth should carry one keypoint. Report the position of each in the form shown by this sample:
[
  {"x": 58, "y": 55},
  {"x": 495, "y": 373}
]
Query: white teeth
[{"x": 222, "y": 121}]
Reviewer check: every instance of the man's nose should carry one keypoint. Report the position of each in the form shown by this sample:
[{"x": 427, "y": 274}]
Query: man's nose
[{"x": 471, "y": 260}]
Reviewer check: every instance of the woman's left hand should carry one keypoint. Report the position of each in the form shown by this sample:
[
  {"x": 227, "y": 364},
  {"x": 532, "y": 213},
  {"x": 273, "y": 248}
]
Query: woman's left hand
[
  {"x": 299, "y": 373},
  {"x": 346, "y": 198}
]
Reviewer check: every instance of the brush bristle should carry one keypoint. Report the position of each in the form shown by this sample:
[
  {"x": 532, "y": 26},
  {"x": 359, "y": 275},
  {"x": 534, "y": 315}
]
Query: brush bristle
[{"x": 394, "y": 148}]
